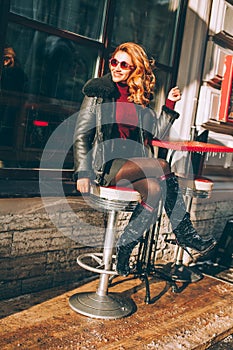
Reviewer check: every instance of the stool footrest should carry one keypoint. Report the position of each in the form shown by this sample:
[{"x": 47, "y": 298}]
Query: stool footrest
[{"x": 97, "y": 258}]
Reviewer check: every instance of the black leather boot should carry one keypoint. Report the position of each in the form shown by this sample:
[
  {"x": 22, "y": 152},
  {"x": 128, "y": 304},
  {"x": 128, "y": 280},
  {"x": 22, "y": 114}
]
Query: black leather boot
[
  {"x": 140, "y": 221},
  {"x": 174, "y": 205}
]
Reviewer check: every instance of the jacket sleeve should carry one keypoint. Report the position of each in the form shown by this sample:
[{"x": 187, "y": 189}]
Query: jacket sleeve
[
  {"x": 83, "y": 138},
  {"x": 163, "y": 124}
]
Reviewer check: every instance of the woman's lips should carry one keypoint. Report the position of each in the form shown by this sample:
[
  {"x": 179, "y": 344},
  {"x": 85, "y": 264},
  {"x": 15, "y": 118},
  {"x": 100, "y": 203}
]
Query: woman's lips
[{"x": 117, "y": 74}]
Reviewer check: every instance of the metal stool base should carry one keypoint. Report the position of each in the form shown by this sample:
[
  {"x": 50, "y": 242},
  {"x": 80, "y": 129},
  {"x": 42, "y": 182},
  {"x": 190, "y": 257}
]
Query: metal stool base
[{"x": 111, "y": 306}]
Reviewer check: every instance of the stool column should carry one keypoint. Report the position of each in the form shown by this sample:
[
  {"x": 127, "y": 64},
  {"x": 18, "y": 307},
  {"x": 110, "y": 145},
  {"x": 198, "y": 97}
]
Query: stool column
[{"x": 107, "y": 253}]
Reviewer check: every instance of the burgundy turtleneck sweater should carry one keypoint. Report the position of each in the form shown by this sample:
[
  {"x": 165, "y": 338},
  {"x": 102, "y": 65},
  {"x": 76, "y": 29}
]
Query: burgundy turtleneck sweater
[{"x": 126, "y": 116}]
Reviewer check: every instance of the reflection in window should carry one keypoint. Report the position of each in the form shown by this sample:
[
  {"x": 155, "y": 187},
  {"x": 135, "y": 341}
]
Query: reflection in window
[
  {"x": 55, "y": 67},
  {"x": 42, "y": 90},
  {"x": 83, "y": 17},
  {"x": 151, "y": 23},
  {"x": 13, "y": 80}
]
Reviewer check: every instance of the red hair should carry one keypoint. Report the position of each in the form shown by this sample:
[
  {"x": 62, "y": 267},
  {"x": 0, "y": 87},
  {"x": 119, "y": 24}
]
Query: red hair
[{"x": 141, "y": 81}]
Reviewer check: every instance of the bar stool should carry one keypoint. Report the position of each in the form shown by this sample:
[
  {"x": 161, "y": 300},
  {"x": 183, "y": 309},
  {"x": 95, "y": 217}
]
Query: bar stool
[
  {"x": 102, "y": 304},
  {"x": 202, "y": 188}
]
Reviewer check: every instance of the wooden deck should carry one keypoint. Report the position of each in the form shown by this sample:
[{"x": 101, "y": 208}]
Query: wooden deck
[{"x": 195, "y": 318}]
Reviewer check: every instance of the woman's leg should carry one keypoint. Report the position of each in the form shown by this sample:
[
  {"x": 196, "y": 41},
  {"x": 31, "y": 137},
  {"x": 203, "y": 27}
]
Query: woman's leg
[
  {"x": 182, "y": 226},
  {"x": 150, "y": 177},
  {"x": 141, "y": 173},
  {"x": 174, "y": 203}
]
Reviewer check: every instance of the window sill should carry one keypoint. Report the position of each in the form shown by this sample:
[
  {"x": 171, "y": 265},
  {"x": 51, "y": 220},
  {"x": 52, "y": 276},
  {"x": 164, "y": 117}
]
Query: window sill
[{"x": 25, "y": 183}]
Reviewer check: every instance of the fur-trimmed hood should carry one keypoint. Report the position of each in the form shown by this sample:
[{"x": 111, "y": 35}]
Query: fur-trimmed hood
[{"x": 102, "y": 87}]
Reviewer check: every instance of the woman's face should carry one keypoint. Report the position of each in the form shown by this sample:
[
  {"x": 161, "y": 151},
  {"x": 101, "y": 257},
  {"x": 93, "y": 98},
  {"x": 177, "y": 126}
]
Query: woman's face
[{"x": 118, "y": 73}]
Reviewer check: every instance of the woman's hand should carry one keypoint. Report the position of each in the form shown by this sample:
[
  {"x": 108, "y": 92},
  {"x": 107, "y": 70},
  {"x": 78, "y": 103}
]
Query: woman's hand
[
  {"x": 83, "y": 185},
  {"x": 174, "y": 94}
]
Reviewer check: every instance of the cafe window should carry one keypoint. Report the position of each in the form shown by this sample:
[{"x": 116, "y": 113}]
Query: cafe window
[{"x": 51, "y": 48}]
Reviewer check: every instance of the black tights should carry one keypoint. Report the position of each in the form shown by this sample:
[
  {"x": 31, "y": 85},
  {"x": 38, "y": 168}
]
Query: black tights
[{"x": 143, "y": 175}]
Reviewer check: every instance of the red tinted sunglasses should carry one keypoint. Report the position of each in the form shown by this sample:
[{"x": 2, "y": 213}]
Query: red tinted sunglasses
[{"x": 124, "y": 65}]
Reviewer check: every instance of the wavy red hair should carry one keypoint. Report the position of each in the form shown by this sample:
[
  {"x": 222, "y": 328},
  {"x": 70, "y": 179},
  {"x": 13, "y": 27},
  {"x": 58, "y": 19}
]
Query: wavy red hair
[{"x": 141, "y": 81}]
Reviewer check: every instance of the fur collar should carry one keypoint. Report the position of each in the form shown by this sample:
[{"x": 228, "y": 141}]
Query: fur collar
[{"x": 101, "y": 87}]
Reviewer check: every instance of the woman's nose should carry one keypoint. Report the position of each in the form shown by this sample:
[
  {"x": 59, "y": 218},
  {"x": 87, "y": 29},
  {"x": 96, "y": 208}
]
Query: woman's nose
[{"x": 118, "y": 67}]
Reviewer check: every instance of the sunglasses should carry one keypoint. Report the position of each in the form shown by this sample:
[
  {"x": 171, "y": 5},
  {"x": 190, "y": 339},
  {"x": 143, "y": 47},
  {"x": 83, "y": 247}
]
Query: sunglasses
[
  {"x": 124, "y": 65},
  {"x": 6, "y": 58}
]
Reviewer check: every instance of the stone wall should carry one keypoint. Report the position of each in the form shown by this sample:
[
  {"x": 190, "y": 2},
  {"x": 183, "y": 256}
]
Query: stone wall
[
  {"x": 38, "y": 248},
  {"x": 40, "y": 241}
]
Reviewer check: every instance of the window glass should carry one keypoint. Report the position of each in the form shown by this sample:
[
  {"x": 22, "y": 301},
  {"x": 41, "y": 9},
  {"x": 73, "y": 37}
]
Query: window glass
[
  {"x": 41, "y": 84},
  {"x": 151, "y": 23},
  {"x": 79, "y": 16}
]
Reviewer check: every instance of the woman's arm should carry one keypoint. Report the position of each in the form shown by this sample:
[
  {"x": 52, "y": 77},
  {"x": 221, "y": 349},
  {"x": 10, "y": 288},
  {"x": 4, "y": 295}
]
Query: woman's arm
[
  {"x": 83, "y": 139},
  {"x": 83, "y": 185},
  {"x": 168, "y": 115},
  {"x": 174, "y": 94}
]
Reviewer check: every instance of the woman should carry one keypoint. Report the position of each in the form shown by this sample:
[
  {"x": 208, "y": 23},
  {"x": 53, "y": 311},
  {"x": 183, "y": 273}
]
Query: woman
[{"x": 113, "y": 132}]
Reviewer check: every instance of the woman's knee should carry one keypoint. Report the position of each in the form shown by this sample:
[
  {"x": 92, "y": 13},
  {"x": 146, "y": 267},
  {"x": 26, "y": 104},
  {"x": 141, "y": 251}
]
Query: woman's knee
[
  {"x": 151, "y": 191},
  {"x": 153, "y": 187},
  {"x": 164, "y": 165}
]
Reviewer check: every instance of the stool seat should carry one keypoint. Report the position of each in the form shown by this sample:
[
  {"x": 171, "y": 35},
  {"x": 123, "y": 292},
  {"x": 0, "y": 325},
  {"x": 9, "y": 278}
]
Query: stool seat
[
  {"x": 113, "y": 198},
  {"x": 203, "y": 184},
  {"x": 200, "y": 187},
  {"x": 115, "y": 193}
]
